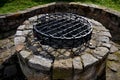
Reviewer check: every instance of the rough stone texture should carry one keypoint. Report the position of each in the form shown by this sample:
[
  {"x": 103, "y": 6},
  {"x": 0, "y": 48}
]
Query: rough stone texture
[
  {"x": 89, "y": 73},
  {"x": 21, "y": 27},
  {"x": 19, "y": 40},
  {"x": 19, "y": 33},
  {"x": 88, "y": 59},
  {"x": 105, "y": 34},
  {"x": 113, "y": 49},
  {"x": 113, "y": 57},
  {"x": 40, "y": 63},
  {"x": 78, "y": 67},
  {"x": 24, "y": 54},
  {"x": 103, "y": 39},
  {"x": 39, "y": 76},
  {"x": 107, "y": 17},
  {"x": 113, "y": 66},
  {"x": 106, "y": 45},
  {"x": 65, "y": 64},
  {"x": 62, "y": 69},
  {"x": 100, "y": 52},
  {"x": 77, "y": 64}
]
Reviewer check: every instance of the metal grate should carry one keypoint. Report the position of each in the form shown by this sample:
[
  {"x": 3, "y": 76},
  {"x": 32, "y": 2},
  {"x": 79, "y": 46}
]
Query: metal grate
[{"x": 57, "y": 29}]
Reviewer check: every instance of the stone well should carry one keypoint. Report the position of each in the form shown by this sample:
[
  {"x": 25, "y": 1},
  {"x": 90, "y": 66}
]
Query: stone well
[{"x": 43, "y": 62}]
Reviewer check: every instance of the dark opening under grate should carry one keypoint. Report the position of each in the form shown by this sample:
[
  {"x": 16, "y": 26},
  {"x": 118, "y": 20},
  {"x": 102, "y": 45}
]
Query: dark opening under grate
[{"x": 62, "y": 29}]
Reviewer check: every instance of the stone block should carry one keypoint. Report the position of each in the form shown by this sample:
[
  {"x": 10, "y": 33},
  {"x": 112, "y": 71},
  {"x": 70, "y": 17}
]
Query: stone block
[
  {"x": 25, "y": 54},
  {"x": 113, "y": 66},
  {"x": 39, "y": 76},
  {"x": 78, "y": 68},
  {"x": 62, "y": 69},
  {"x": 113, "y": 57},
  {"x": 100, "y": 52},
  {"x": 40, "y": 63},
  {"x": 21, "y": 27},
  {"x": 103, "y": 39},
  {"x": 103, "y": 33},
  {"x": 88, "y": 59},
  {"x": 25, "y": 32},
  {"x": 77, "y": 64},
  {"x": 108, "y": 45},
  {"x": 19, "y": 33},
  {"x": 19, "y": 40},
  {"x": 32, "y": 19},
  {"x": 113, "y": 49},
  {"x": 89, "y": 73}
]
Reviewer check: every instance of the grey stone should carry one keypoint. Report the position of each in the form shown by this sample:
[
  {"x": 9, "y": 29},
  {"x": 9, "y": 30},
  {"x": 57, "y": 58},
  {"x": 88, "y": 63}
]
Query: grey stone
[
  {"x": 32, "y": 19},
  {"x": 88, "y": 59},
  {"x": 19, "y": 40},
  {"x": 21, "y": 27},
  {"x": 26, "y": 22},
  {"x": 40, "y": 63},
  {"x": 100, "y": 52},
  {"x": 25, "y": 32},
  {"x": 66, "y": 53},
  {"x": 113, "y": 49},
  {"x": 113, "y": 57},
  {"x": 30, "y": 26},
  {"x": 62, "y": 53},
  {"x": 96, "y": 23},
  {"x": 50, "y": 49},
  {"x": 10, "y": 71},
  {"x": 99, "y": 28},
  {"x": 77, "y": 64},
  {"x": 104, "y": 33},
  {"x": 39, "y": 49},
  {"x": 19, "y": 33},
  {"x": 39, "y": 76},
  {"x": 44, "y": 53},
  {"x": 108, "y": 45},
  {"x": 33, "y": 49},
  {"x": 103, "y": 39},
  {"x": 25, "y": 54},
  {"x": 62, "y": 50},
  {"x": 74, "y": 49},
  {"x": 45, "y": 47}
]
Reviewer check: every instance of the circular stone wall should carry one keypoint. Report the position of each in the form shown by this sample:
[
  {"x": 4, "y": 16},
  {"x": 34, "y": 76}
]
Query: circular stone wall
[
  {"x": 43, "y": 62},
  {"x": 109, "y": 18}
]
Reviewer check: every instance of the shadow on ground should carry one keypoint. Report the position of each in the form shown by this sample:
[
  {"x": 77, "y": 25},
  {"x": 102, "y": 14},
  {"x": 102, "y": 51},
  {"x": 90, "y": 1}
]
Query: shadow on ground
[{"x": 10, "y": 69}]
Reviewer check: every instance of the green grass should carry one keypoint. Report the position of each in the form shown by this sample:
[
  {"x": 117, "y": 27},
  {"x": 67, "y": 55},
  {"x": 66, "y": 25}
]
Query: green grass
[{"x": 7, "y": 6}]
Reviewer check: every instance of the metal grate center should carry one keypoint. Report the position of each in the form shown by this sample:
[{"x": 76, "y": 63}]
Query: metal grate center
[{"x": 63, "y": 28}]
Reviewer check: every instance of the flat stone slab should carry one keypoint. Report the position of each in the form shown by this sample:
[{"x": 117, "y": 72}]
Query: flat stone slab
[
  {"x": 88, "y": 59},
  {"x": 100, "y": 52},
  {"x": 25, "y": 54},
  {"x": 19, "y": 40},
  {"x": 77, "y": 65},
  {"x": 62, "y": 69},
  {"x": 40, "y": 63},
  {"x": 113, "y": 49}
]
